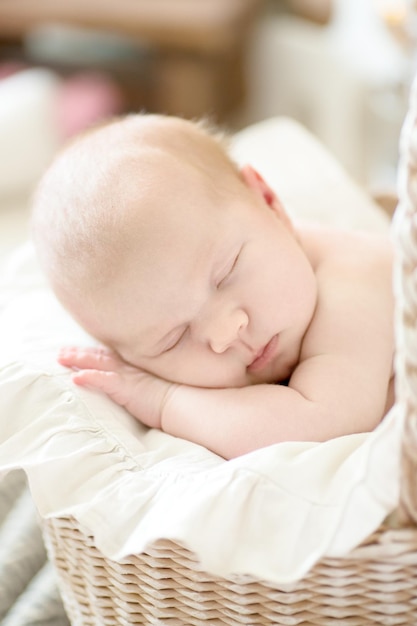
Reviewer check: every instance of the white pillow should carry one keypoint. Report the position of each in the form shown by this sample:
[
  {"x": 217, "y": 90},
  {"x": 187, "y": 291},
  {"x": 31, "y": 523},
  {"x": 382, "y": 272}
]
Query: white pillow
[
  {"x": 28, "y": 128},
  {"x": 310, "y": 181}
]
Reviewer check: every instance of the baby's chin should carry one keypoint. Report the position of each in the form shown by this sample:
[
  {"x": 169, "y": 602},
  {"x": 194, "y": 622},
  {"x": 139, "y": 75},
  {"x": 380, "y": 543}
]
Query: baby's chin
[{"x": 276, "y": 373}]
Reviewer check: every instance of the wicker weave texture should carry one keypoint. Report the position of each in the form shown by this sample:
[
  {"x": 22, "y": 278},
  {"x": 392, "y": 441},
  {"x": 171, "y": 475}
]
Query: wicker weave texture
[
  {"x": 375, "y": 585},
  {"x": 406, "y": 304}
]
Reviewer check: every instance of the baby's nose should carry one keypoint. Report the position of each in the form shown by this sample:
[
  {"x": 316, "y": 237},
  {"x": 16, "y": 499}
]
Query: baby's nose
[{"x": 224, "y": 330}]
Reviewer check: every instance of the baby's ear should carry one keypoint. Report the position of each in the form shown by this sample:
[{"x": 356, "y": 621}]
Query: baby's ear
[{"x": 254, "y": 180}]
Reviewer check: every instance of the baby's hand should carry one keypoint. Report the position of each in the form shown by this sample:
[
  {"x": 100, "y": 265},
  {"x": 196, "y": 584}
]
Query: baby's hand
[{"x": 141, "y": 393}]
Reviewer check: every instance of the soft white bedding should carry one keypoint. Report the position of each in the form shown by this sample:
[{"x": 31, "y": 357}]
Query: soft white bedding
[{"x": 272, "y": 513}]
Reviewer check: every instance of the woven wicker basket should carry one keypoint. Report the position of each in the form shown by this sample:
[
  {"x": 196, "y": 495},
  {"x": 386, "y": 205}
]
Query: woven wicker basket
[{"x": 375, "y": 584}]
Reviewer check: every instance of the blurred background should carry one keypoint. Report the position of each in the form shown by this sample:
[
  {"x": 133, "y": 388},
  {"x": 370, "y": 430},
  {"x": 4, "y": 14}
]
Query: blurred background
[{"x": 341, "y": 67}]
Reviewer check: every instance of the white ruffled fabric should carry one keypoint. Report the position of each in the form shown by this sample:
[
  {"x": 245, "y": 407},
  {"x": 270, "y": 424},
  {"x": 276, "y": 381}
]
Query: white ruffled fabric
[{"x": 270, "y": 514}]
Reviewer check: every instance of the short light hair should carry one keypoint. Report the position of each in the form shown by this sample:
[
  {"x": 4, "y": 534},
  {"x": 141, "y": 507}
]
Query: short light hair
[{"x": 76, "y": 224}]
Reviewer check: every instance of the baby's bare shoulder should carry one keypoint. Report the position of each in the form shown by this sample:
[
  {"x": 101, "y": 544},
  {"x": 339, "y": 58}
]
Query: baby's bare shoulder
[
  {"x": 354, "y": 282},
  {"x": 347, "y": 353},
  {"x": 333, "y": 250}
]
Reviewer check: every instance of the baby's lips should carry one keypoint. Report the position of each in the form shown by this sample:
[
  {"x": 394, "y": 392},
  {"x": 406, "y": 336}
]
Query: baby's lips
[{"x": 265, "y": 355}]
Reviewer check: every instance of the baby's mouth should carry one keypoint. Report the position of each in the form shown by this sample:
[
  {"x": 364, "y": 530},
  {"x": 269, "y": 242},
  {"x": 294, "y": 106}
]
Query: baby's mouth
[{"x": 265, "y": 355}]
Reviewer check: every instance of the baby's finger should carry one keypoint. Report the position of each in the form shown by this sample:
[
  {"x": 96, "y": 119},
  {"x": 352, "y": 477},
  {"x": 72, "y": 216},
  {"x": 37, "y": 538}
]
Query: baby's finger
[
  {"x": 109, "y": 383},
  {"x": 87, "y": 358},
  {"x": 97, "y": 379}
]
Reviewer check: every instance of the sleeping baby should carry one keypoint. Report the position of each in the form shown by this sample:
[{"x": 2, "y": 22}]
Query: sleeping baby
[{"x": 222, "y": 322}]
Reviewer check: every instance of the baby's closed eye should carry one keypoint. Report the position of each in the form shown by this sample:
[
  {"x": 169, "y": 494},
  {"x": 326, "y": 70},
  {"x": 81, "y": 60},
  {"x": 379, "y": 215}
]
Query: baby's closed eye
[
  {"x": 228, "y": 270},
  {"x": 175, "y": 339}
]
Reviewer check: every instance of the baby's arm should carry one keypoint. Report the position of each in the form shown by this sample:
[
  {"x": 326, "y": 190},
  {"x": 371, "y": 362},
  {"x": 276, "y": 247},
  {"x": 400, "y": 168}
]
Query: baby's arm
[{"x": 235, "y": 421}]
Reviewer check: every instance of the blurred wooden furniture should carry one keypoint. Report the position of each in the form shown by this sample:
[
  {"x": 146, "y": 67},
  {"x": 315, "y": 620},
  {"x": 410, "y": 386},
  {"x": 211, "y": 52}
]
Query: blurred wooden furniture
[
  {"x": 199, "y": 45},
  {"x": 318, "y": 11}
]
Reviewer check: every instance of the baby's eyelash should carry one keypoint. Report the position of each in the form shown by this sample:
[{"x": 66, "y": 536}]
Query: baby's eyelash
[
  {"x": 229, "y": 271},
  {"x": 175, "y": 342}
]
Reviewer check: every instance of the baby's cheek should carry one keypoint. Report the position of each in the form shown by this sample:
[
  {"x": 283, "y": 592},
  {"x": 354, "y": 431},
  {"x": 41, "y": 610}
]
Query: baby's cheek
[{"x": 203, "y": 370}]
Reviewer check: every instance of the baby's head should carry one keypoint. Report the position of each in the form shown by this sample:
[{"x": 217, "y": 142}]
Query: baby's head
[
  {"x": 143, "y": 227},
  {"x": 89, "y": 208}
]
